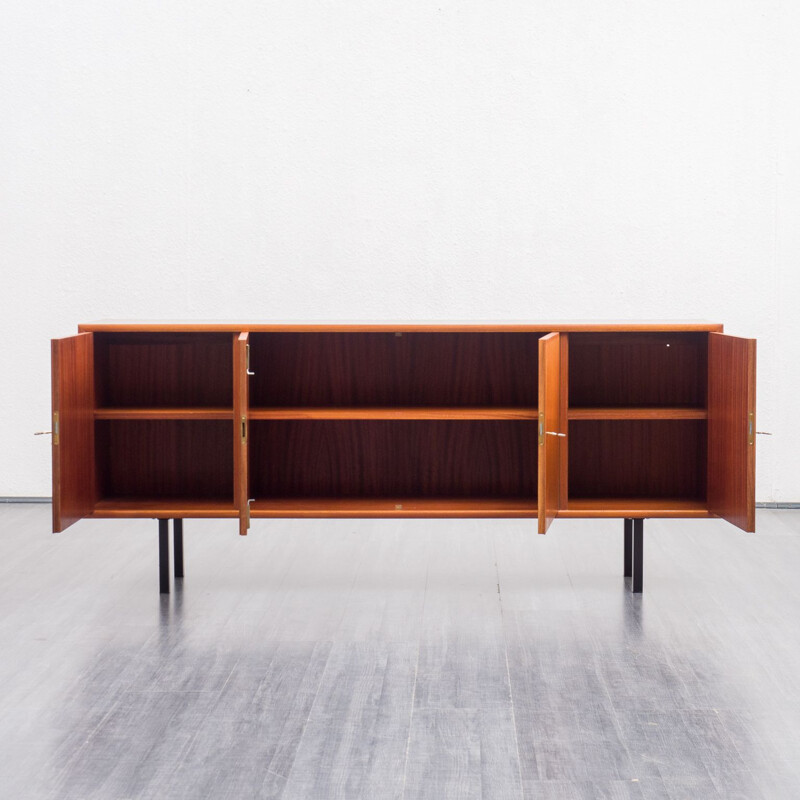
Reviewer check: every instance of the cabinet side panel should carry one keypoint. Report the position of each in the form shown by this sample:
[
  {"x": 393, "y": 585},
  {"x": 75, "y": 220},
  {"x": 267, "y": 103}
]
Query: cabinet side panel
[
  {"x": 731, "y": 429},
  {"x": 74, "y": 492}
]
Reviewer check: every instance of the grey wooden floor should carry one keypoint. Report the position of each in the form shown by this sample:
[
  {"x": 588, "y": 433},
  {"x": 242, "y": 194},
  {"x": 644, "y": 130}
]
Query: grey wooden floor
[{"x": 399, "y": 659}]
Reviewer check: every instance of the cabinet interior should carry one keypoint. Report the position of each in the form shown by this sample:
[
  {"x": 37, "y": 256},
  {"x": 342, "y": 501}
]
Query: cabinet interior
[
  {"x": 393, "y": 459},
  {"x": 347, "y": 420},
  {"x": 613, "y": 370},
  {"x": 158, "y": 460},
  {"x": 394, "y": 369},
  {"x": 163, "y": 370}
]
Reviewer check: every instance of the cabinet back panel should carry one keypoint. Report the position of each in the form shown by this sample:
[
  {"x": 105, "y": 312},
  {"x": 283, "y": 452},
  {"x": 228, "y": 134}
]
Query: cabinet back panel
[
  {"x": 641, "y": 458},
  {"x": 391, "y": 458},
  {"x": 383, "y": 369},
  {"x": 165, "y": 459},
  {"x": 152, "y": 370},
  {"x": 638, "y": 369}
]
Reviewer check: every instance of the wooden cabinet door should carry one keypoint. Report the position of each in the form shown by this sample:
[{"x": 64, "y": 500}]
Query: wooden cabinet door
[
  {"x": 241, "y": 401},
  {"x": 732, "y": 429},
  {"x": 74, "y": 480},
  {"x": 549, "y": 428}
]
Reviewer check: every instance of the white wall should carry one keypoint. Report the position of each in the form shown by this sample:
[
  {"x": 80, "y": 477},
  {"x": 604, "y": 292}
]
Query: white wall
[{"x": 398, "y": 160}]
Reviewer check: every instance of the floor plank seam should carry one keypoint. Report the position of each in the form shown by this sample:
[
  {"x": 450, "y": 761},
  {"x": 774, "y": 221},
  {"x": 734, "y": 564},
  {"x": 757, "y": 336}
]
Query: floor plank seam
[
  {"x": 508, "y": 670},
  {"x": 414, "y": 690},
  {"x": 287, "y": 777}
]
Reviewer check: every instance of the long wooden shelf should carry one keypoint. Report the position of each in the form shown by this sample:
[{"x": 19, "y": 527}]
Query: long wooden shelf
[
  {"x": 637, "y": 412},
  {"x": 395, "y": 412},
  {"x": 177, "y": 508},
  {"x": 394, "y": 507},
  {"x": 164, "y": 413},
  {"x": 635, "y": 507}
]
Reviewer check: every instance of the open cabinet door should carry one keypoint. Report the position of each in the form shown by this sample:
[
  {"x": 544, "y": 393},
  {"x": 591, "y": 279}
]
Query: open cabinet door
[
  {"x": 74, "y": 492},
  {"x": 549, "y": 430},
  {"x": 732, "y": 429},
  {"x": 241, "y": 395}
]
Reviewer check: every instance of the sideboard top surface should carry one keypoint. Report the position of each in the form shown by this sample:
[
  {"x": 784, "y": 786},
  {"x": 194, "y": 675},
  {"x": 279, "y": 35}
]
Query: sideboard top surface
[{"x": 420, "y": 326}]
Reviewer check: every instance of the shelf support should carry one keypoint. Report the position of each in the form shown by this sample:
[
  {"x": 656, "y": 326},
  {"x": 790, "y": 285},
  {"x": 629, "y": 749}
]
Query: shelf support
[
  {"x": 628, "y": 553},
  {"x": 177, "y": 546},
  {"x": 638, "y": 555},
  {"x": 163, "y": 555}
]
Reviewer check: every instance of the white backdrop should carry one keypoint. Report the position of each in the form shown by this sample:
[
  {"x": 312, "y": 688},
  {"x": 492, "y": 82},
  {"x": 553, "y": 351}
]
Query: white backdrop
[{"x": 399, "y": 160}]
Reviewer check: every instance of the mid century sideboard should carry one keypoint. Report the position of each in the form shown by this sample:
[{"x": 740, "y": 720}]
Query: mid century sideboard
[{"x": 240, "y": 420}]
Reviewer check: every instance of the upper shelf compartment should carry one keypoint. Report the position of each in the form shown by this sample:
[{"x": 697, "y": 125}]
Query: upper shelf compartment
[
  {"x": 164, "y": 370},
  {"x": 393, "y": 369},
  {"x": 627, "y": 370}
]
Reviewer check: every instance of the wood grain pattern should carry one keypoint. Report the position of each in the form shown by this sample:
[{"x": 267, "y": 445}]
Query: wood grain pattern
[
  {"x": 641, "y": 369},
  {"x": 398, "y": 325},
  {"x": 651, "y": 412},
  {"x": 164, "y": 459},
  {"x": 563, "y": 453},
  {"x": 637, "y": 458},
  {"x": 166, "y": 370},
  {"x": 640, "y": 507},
  {"x": 241, "y": 393},
  {"x": 149, "y": 507},
  {"x": 164, "y": 413},
  {"x": 394, "y": 412},
  {"x": 74, "y": 490},
  {"x": 392, "y": 458},
  {"x": 549, "y": 472},
  {"x": 382, "y": 369},
  {"x": 395, "y": 507},
  {"x": 731, "y": 453}
]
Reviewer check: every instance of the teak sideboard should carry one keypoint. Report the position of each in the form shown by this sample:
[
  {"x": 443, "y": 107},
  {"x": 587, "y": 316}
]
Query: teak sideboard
[{"x": 628, "y": 420}]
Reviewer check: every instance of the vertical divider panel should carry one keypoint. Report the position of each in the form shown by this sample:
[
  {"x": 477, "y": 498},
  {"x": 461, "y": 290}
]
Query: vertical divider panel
[
  {"x": 241, "y": 425},
  {"x": 563, "y": 456},
  {"x": 549, "y": 428}
]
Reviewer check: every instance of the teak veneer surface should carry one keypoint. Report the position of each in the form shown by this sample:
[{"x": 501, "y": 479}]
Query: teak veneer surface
[
  {"x": 164, "y": 459},
  {"x": 167, "y": 370},
  {"x": 731, "y": 456},
  {"x": 647, "y": 369},
  {"x": 74, "y": 487},
  {"x": 384, "y": 369},
  {"x": 393, "y": 412},
  {"x": 400, "y": 507},
  {"x": 379, "y": 458},
  {"x": 637, "y": 458},
  {"x": 233, "y": 326}
]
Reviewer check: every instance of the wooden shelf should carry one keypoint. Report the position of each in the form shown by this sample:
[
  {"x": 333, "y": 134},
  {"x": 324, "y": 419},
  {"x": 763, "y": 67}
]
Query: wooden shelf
[
  {"x": 395, "y": 412},
  {"x": 163, "y": 413},
  {"x": 637, "y": 412},
  {"x": 635, "y": 507},
  {"x": 394, "y": 507},
  {"x": 177, "y": 508}
]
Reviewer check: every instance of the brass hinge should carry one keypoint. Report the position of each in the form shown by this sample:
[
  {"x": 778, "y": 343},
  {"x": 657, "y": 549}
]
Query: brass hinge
[
  {"x": 541, "y": 429},
  {"x": 751, "y": 433},
  {"x": 244, "y": 430},
  {"x": 55, "y": 427}
]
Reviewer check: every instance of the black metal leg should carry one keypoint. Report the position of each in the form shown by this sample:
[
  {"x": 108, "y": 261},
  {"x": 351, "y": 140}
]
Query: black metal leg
[
  {"x": 177, "y": 538},
  {"x": 163, "y": 555},
  {"x": 638, "y": 555},
  {"x": 628, "y": 548}
]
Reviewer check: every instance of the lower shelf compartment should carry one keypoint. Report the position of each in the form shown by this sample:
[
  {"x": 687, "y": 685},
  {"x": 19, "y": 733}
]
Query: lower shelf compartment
[
  {"x": 398, "y": 507},
  {"x": 177, "y": 508},
  {"x": 635, "y": 507}
]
